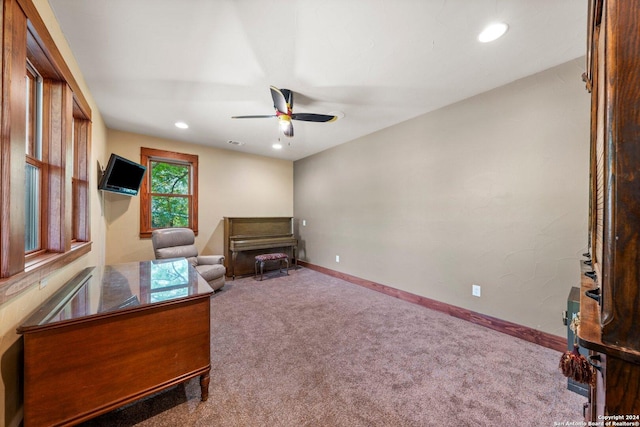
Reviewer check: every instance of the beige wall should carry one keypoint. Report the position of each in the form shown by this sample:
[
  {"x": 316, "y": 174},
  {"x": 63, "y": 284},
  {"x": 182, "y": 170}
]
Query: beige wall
[
  {"x": 230, "y": 184},
  {"x": 492, "y": 190},
  {"x": 15, "y": 311}
]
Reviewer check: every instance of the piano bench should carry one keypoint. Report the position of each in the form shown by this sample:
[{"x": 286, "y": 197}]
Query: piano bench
[{"x": 262, "y": 259}]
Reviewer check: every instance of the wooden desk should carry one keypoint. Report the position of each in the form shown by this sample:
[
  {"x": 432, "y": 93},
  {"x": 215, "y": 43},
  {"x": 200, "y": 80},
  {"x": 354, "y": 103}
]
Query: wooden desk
[{"x": 112, "y": 335}]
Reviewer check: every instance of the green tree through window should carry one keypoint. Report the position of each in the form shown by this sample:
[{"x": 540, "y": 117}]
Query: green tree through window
[{"x": 168, "y": 194}]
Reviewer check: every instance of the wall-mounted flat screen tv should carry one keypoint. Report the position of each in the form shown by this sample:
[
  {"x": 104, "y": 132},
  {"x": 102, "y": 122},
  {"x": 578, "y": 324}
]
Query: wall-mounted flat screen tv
[{"x": 122, "y": 176}]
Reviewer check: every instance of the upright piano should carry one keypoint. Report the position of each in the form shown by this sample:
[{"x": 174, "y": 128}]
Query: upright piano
[{"x": 246, "y": 237}]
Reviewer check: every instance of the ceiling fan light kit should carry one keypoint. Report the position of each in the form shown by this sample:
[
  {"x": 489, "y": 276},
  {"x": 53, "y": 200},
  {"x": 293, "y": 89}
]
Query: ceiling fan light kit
[
  {"x": 283, "y": 104},
  {"x": 285, "y": 124}
]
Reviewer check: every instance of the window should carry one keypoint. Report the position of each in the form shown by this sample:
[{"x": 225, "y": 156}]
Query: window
[
  {"x": 169, "y": 191},
  {"x": 43, "y": 154},
  {"x": 35, "y": 168}
]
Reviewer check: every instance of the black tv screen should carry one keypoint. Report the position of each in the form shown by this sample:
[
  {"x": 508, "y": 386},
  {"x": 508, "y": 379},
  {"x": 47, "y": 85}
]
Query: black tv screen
[{"x": 122, "y": 176}]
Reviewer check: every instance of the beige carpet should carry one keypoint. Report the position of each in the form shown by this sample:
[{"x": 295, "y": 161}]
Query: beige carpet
[{"x": 311, "y": 350}]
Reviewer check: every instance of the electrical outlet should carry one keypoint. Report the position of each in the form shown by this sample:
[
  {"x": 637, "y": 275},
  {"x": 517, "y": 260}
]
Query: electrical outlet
[
  {"x": 475, "y": 290},
  {"x": 337, "y": 258},
  {"x": 304, "y": 222}
]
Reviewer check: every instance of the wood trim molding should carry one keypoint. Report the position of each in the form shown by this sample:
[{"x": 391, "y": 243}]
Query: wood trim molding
[
  {"x": 12, "y": 139},
  {"x": 20, "y": 282},
  {"x": 534, "y": 336}
]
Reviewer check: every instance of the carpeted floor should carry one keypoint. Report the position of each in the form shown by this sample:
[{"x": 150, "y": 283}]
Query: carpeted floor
[{"x": 311, "y": 350}]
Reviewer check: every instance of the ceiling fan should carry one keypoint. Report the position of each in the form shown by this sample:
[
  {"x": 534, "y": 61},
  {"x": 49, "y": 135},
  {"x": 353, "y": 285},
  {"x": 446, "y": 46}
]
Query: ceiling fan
[{"x": 283, "y": 103}]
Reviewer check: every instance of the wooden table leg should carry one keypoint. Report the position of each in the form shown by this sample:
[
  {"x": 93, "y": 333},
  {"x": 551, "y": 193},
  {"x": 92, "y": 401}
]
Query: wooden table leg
[{"x": 204, "y": 386}]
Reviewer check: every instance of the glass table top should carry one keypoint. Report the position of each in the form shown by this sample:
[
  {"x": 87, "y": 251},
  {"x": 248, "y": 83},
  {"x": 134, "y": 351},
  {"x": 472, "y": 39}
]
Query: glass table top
[{"x": 104, "y": 289}]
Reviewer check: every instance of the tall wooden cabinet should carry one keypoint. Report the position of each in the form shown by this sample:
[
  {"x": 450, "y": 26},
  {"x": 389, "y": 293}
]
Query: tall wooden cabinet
[{"x": 610, "y": 318}]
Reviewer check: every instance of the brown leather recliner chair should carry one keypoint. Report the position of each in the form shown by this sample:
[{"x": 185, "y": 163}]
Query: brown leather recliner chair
[{"x": 180, "y": 242}]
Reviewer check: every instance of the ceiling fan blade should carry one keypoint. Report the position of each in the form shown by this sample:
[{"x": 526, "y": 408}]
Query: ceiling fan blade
[
  {"x": 279, "y": 100},
  {"x": 310, "y": 117},
  {"x": 288, "y": 96},
  {"x": 255, "y": 117}
]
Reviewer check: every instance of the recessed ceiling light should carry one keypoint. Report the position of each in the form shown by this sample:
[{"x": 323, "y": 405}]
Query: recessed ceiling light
[
  {"x": 277, "y": 146},
  {"x": 182, "y": 125},
  {"x": 493, "y": 32}
]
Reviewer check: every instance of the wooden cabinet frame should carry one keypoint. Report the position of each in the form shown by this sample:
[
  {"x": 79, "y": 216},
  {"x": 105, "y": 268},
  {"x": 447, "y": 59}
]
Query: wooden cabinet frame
[{"x": 610, "y": 327}]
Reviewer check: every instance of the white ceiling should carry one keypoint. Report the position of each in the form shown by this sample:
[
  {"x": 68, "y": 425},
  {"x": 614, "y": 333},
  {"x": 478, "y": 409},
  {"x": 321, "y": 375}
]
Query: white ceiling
[{"x": 150, "y": 63}]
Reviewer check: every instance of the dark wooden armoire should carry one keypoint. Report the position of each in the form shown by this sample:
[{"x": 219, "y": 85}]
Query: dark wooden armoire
[{"x": 610, "y": 300}]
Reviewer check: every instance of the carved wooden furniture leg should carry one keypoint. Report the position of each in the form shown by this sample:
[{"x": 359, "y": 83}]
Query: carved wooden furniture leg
[
  {"x": 233, "y": 264},
  {"x": 204, "y": 386}
]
